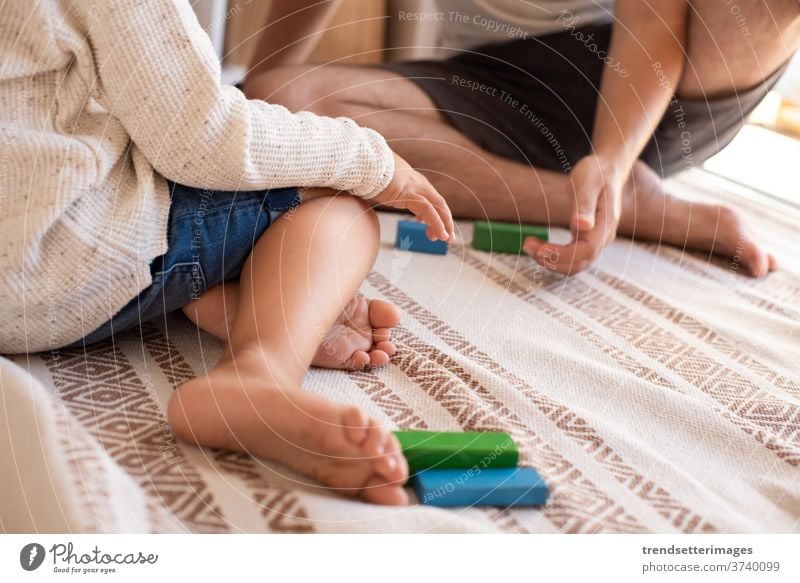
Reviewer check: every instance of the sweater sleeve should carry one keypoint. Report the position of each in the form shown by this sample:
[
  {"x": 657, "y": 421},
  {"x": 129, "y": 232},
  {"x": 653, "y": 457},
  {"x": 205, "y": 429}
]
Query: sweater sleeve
[{"x": 159, "y": 76}]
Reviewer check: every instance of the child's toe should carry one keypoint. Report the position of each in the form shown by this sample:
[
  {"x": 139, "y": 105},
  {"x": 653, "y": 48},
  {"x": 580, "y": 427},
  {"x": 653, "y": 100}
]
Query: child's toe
[
  {"x": 359, "y": 360},
  {"x": 377, "y": 491},
  {"x": 381, "y": 335},
  {"x": 399, "y": 471},
  {"x": 391, "y": 466},
  {"x": 383, "y": 314},
  {"x": 387, "y": 347},
  {"x": 355, "y": 424},
  {"x": 378, "y": 358},
  {"x": 374, "y": 445}
]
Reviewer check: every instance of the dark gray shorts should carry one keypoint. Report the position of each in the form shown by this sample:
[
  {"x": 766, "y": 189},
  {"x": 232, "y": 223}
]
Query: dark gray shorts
[{"x": 533, "y": 100}]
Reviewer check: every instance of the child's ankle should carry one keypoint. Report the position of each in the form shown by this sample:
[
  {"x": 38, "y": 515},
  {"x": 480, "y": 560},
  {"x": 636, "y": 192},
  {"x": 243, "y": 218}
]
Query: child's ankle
[{"x": 256, "y": 360}]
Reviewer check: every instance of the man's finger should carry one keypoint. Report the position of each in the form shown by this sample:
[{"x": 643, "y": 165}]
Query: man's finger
[
  {"x": 586, "y": 195},
  {"x": 566, "y": 263},
  {"x": 531, "y": 245},
  {"x": 577, "y": 267},
  {"x": 561, "y": 258},
  {"x": 574, "y": 256}
]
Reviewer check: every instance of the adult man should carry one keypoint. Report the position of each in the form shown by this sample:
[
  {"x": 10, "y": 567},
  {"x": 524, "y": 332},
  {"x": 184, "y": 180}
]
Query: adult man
[{"x": 571, "y": 119}]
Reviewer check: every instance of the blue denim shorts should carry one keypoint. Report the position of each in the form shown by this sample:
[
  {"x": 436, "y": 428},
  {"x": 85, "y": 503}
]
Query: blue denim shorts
[{"x": 211, "y": 234}]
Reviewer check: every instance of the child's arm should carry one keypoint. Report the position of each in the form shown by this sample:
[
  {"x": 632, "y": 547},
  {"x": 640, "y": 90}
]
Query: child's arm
[
  {"x": 644, "y": 65},
  {"x": 159, "y": 76}
]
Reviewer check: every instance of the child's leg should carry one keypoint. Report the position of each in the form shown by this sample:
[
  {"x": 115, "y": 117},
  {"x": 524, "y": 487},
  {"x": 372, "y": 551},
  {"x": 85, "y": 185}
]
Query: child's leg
[
  {"x": 214, "y": 310},
  {"x": 361, "y": 335},
  {"x": 302, "y": 273}
]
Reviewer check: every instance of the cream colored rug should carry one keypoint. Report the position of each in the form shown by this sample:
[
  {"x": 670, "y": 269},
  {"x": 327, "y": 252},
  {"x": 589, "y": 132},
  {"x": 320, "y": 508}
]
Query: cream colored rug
[{"x": 657, "y": 392}]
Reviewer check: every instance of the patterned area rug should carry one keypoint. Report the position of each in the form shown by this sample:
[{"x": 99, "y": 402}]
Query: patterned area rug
[{"x": 658, "y": 392}]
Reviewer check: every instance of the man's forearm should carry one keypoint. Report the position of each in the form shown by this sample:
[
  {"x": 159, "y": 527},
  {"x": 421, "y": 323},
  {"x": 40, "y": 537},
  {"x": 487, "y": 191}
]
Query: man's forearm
[
  {"x": 291, "y": 32},
  {"x": 647, "y": 42}
]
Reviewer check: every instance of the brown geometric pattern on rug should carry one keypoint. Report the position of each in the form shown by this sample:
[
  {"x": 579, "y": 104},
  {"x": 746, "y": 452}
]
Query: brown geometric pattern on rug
[
  {"x": 505, "y": 520},
  {"x": 91, "y": 480},
  {"x": 697, "y": 265},
  {"x": 388, "y": 400},
  {"x": 280, "y": 507},
  {"x": 105, "y": 394},
  {"x": 570, "y": 424},
  {"x": 728, "y": 387},
  {"x": 576, "y": 504},
  {"x": 474, "y": 408},
  {"x": 699, "y": 330},
  {"x": 86, "y": 473},
  {"x": 773, "y": 423}
]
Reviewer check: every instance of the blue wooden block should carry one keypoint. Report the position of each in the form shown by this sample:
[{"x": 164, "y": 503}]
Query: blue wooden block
[
  {"x": 411, "y": 237},
  {"x": 481, "y": 487}
]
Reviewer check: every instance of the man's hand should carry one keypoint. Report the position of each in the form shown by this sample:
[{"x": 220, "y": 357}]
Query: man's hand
[
  {"x": 410, "y": 190},
  {"x": 648, "y": 40},
  {"x": 594, "y": 219}
]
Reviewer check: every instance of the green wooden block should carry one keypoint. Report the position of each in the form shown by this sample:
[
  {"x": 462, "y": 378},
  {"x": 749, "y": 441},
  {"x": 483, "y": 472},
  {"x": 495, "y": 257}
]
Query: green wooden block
[
  {"x": 457, "y": 450},
  {"x": 505, "y": 237}
]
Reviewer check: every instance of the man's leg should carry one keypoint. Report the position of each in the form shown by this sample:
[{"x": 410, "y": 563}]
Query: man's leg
[
  {"x": 478, "y": 183},
  {"x": 734, "y": 46},
  {"x": 475, "y": 182}
]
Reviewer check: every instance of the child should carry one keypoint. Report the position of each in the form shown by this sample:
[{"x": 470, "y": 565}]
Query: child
[{"x": 134, "y": 184}]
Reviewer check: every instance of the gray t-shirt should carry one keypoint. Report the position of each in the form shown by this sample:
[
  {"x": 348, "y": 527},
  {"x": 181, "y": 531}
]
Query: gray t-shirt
[{"x": 470, "y": 23}]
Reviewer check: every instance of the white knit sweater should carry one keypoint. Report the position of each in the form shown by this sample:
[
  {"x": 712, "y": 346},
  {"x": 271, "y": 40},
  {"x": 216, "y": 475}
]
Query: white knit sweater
[{"x": 101, "y": 101}]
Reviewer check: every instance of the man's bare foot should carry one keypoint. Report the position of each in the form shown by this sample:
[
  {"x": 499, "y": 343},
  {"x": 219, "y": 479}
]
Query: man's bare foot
[
  {"x": 360, "y": 338},
  {"x": 242, "y": 406},
  {"x": 650, "y": 213}
]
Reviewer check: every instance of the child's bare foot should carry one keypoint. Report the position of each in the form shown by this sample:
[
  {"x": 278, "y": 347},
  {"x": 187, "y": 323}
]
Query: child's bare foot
[
  {"x": 360, "y": 338},
  {"x": 651, "y": 214},
  {"x": 243, "y": 407}
]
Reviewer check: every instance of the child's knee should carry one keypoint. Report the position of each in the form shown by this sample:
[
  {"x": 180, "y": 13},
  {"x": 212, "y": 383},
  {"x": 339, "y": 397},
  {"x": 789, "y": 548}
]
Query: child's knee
[
  {"x": 342, "y": 212},
  {"x": 359, "y": 215},
  {"x": 341, "y": 221},
  {"x": 345, "y": 219}
]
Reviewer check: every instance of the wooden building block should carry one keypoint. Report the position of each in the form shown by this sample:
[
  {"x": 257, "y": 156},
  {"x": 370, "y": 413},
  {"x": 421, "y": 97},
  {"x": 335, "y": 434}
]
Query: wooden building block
[
  {"x": 505, "y": 237},
  {"x": 476, "y": 487},
  {"x": 460, "y": 450},
  {"x": 411, "y": 237}
]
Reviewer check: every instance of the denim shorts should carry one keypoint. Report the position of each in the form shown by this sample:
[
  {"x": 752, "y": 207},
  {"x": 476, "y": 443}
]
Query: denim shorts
[{"x": 211, "y": 234}]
